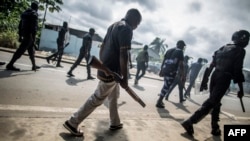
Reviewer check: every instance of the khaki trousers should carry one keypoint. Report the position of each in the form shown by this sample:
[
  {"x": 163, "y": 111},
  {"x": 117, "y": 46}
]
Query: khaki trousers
[{"x": 103, "y": 90}]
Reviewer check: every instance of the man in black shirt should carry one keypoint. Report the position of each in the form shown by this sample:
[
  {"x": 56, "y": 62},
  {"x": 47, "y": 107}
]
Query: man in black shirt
[
  {"x": 228, "y": 63},
  {"x": 60, "y": 45},
  {"x": 114, "y": 55},
  {"x": 173, "y": 61},
  {"x": 27, "y": 33},
  {"x": 84, "y": 53}
]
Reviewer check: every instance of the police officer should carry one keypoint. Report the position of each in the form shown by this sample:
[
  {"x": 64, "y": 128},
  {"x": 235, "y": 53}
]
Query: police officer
[
  {"x": 228, "y": 64},
  {"x": 84, "y": 53},
  {"x": 60, "y": 45},
  {"x": 27, "y": 32}
]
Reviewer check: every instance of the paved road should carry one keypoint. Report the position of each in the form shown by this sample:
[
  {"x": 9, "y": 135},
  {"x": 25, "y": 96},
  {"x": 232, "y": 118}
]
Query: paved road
[{"x": 49, "y": 93}]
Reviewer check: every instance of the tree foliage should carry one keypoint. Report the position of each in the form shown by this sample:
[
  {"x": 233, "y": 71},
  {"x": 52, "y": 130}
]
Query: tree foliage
[
  {"x": 10, "y": 11},
  {"x": 158, "y": 45}
]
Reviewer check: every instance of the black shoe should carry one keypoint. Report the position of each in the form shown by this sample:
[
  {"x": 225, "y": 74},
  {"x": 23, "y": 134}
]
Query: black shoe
[
  {"x": 187, "y": 125},
  {"x": 166, "y": 98},
  {"x": 136, "y": 82},
  {"x": 183, "y": 100},
  {"x": 2, "y": 63},
  {"x": 48, "y": 60},
  {"x": 216, "y": 132},
  {"x": 59, "y": 66},
  {"x": 160, "y": 105},
  {"x": 72, "y": 130},
  {"x": 90, "y": 77},
  {"x": 117, "y": 127},
  {"x": 34, "y": 68},
  {"x": 8, "y": 67},
  {"x": 70, "y": 74}
]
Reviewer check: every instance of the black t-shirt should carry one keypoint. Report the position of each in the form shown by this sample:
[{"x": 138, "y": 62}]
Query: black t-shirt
[
  {"x": 171, "y": 61},
  {"x": 118, "y": 37},
  {"x": 86, "y": 43},
  {"x": 28, "y": 23}
]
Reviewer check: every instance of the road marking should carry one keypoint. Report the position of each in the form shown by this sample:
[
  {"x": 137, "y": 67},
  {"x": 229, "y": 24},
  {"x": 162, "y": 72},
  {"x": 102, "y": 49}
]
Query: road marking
[{"x": 127, "y": 114}]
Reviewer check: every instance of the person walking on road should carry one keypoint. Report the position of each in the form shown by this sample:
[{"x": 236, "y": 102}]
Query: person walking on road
[
  {"x": 61, "y": 42},
  {"x": 27, "y": 34},
  {"x": 84, "y": 53},
  {"x": 114, "y": 55},
  {"x": 142, "y": 64},
  {"x": 177, "y": 81},
  {"x": 173, "y": 61},
  {"x": 228, "y": 63},
  {"x": 193, "y": 73}
]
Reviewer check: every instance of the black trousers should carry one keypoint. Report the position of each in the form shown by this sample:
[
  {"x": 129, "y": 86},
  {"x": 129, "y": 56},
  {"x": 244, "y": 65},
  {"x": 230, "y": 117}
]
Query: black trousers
[
  {"x": 26, "y": 44},
  {"x": 141, "y": 67},
  {"x": 81, "y": 55},
  {"x": 176, "y": 82},
  {"x": 220, "y": 82},
  {"x": 58, "y": 54}
]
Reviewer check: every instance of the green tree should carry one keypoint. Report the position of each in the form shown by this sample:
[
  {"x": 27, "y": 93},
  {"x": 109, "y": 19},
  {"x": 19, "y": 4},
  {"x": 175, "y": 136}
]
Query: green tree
[
  {"x": 52, "y": 5},
  {"x": 10, "y": 11}
]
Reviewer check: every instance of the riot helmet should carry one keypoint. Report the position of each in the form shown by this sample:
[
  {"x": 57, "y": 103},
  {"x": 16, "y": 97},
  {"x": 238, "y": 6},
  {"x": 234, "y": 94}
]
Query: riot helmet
[{"x": 241, "y": 38}]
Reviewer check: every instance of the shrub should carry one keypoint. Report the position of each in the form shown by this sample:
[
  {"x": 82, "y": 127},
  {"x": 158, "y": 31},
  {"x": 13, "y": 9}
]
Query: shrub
[{"x": 9, "y": 39}]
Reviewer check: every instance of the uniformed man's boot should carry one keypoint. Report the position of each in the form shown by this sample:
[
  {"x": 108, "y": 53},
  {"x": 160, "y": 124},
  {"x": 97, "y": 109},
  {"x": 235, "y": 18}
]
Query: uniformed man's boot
[
  {"x": 215, "y": 129},
  {"x": 188, "y": 126}
]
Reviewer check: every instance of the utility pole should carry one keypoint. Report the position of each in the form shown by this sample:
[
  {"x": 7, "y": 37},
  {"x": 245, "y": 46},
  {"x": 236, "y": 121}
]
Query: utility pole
[{"x": 46, "y": 7}]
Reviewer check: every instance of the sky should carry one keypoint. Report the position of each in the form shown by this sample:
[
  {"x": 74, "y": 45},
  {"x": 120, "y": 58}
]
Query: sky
[{"x": 204, "y": 25}]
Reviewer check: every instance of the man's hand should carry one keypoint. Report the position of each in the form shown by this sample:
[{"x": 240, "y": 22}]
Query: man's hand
[
  {"x": 124, "y": 83},
  {"x": 240, "y": 94}
]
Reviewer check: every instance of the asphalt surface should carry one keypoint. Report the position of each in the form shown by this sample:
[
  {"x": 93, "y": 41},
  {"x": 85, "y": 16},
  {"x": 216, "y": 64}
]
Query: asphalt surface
[{"x": 19, "y": 122}]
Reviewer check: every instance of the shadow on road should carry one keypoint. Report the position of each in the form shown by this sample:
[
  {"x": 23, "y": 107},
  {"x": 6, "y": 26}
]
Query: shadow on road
[
  {"x": 181, "y": 106},
  {"x": 139, "y": 87},
  {"x": 7, "y": 73},
  {"x": 70, "y": 137},
  {"x": 73, "y": 82}
]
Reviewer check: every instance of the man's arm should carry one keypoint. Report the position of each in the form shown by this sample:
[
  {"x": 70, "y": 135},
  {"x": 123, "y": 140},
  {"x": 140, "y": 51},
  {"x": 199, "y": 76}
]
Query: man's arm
[{"x": 124, "y": 55}]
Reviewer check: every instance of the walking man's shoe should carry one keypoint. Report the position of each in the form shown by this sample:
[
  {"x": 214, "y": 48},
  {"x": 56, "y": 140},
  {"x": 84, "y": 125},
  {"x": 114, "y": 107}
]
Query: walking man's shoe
[
  {"x": 216, "y": 132},
  {"x": 2, "y": 63},
  {"x": 117, "y": 127},
  {"x": 90, "y": 77},
  {"x": 10, "y": 67},
  {"x": 136, "y": 82},
  {"x": 70, "y": 74},
  {"x": 160, "y": 105},
  {"x": 188, "y": 126},
  {"x": 72, "y": 130},
  {"x": 47, "y": 60},
  {"x": 59, "y": 66},
  {"x": 34, "y": 68}
]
